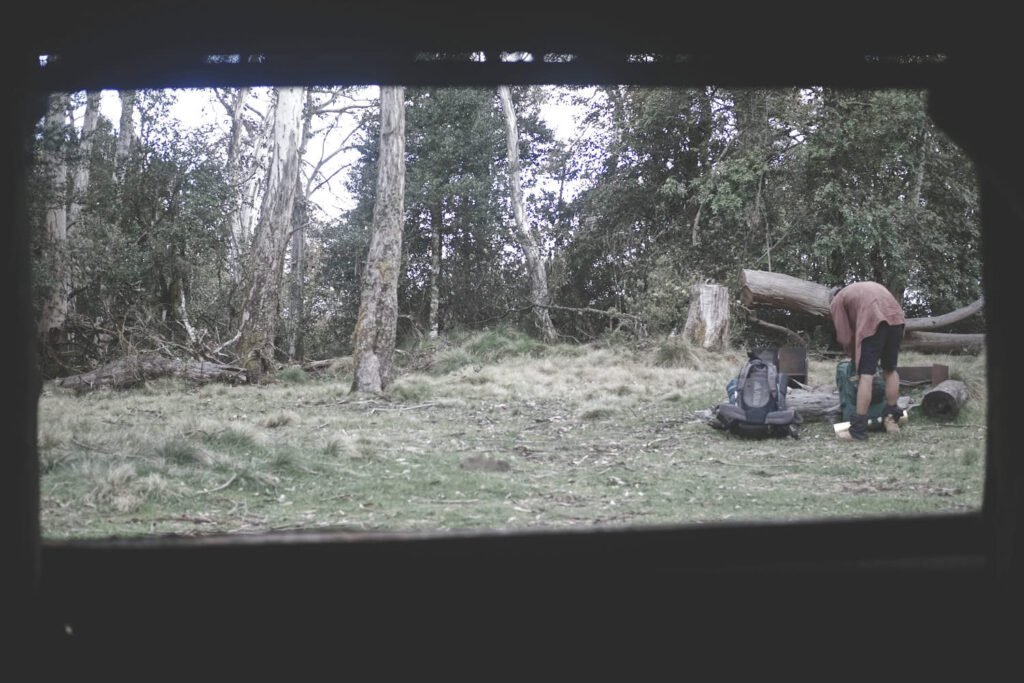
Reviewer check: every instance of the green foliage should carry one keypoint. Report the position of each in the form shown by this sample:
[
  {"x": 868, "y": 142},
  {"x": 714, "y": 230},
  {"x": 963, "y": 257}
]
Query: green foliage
[
  {"x": 659, "y": 189},
  {"x": 292, "y": 374},
  {"x": 485, "y": 347}
]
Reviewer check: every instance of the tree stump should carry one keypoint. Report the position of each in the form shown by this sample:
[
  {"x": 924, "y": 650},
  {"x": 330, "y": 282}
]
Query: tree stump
[
  {"x": 707, "y": 322},
  {"x": 944, "y": 401}
]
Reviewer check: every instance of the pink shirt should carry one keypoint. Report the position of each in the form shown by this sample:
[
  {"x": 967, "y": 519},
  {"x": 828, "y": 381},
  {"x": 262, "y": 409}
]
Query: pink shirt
[{"x": 858, "y": 309}]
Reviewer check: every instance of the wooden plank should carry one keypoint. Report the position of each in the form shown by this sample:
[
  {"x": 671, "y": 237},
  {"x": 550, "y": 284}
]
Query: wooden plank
[{"x": 923, "y": 374}]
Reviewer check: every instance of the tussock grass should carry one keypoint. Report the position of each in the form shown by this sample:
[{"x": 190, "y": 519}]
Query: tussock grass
[
  {"x": 282, "y": 418},
  {"x": 292, "y": 375},
  {"x": 583, "y": 435}
]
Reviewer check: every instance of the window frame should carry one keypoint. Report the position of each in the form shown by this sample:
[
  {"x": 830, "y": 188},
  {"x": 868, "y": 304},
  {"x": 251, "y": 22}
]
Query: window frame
[{"x": 67, "y": 588}]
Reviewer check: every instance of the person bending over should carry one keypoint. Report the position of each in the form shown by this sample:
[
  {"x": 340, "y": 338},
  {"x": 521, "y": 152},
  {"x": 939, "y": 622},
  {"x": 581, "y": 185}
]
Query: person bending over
[{"x": 869, "y": 324}]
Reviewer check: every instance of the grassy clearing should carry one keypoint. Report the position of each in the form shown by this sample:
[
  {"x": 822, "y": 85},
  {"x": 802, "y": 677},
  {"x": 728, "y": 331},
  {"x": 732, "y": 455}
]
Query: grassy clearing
[{"x": 510, "y": 434}]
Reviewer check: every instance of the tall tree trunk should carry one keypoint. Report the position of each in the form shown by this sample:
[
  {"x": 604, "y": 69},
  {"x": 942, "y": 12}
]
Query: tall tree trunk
[
  {"x": 54, "y": 308},
  {"x": 260, "y": 312},
  {"x": 296, "y": 299},
  {"x": 373, "y": 339},
  {"x": 534, "y": 264},
  {"x": 126, "y": 131},
  {"x": 236, "y": 177},
  {"x": 436, "y": 223},
  {"x": 80, "y": 177}
]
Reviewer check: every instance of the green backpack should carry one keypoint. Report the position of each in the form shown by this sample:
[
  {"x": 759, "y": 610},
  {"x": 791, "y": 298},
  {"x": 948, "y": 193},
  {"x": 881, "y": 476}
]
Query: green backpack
[{"x": 847, "y": 380}]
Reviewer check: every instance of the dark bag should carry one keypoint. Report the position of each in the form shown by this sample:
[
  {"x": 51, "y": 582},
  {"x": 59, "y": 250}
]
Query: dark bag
[
  {"x": 757, "y": 401},
  {"x": 847, "y": 380}
]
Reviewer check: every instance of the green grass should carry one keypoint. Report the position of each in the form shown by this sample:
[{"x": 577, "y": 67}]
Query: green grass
[{"x": 584, "y": 436}]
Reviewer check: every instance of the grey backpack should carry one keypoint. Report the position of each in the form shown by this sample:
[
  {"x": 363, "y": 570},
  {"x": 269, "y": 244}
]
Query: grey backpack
[{"x": 757, "y": 401}]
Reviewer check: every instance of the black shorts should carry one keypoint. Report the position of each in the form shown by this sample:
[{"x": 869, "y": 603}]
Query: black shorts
[{"x": 884, "y": 346}]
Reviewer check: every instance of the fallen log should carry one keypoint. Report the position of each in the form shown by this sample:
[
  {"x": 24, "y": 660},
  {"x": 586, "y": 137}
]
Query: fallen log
[
  {"x": 134, "y": 370},
  {"x": 943, "y": 342},
  {"x": 944, "y": 401},
  {"x": 946, "y": 320},
  {"x": 783, "y": 291}
]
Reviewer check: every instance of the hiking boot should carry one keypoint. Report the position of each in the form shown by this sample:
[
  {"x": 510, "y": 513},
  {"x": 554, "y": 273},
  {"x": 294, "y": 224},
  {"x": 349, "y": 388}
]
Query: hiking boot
[
  {"x": 891, "y": 424},
  {"x": 891, "y": 419},
  {"x": 859, "y": 428}
]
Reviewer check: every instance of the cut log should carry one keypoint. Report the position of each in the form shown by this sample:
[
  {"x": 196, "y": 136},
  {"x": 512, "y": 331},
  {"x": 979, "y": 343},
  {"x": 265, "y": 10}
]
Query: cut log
[
  {"x": 783, "y": 291},
  {"x": 707, "y": 322},
  {"x": 126, "y": 372},
  {"x": 944, "y": 401},
  {"x": 943, "y": 342},
  {"x": 813, "y": 405}
]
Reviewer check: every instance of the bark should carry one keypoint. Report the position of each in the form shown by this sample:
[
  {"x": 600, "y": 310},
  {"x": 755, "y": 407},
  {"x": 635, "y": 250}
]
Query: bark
[
  {"x": 941, "y": 321},
  {"x": 80, "y": 177},
  {"x": 813, "y": 404},
  {"x": 436, "y": 221},
  {"x": 54, "y": 309},
  {"x": 945, "y": 400},
  {"x": 529, "y": 242},
  {"x": 373, "y": 339},
  {"x": 126, "y": 131},
  {"x": 266, "y": 263},
  {"x": 297, "y": 296},
  {"x": 943, "y": 342},
  {"x": 236, "y": 177},
  {"x": 707, "y": 323},
  {"x": 127, "y": 372},
  {"x": 783, "y": 291}
]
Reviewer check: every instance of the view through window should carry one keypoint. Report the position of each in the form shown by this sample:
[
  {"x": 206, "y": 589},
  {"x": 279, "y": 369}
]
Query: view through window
[{"x": 390, "y": 309}]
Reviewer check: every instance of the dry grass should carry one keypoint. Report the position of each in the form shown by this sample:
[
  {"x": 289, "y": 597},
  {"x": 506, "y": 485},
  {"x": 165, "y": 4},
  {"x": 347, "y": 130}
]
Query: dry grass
[{"x": 519, "y": 435}]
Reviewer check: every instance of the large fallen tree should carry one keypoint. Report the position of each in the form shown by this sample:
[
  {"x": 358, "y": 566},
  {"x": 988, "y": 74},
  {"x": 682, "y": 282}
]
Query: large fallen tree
[
  {"x": 134, "y": 370},
  {"x": 775, "y": 290}
]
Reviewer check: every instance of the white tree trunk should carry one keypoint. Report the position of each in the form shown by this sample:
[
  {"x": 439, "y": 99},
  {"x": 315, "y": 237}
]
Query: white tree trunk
[
  {"x": 373, "y": 339},
  {"x": 297, "y": 296},
  {"x": 80, "y": 177},
  {"x": 529, "y": 242},
  {"x": 54, "y": 309},
  {"x": 260, "y": 312},
  {"x": 237, "y": 178},
  {"x": 436, "y": 220},
  {"x": 126, "y": 131},
  {"x": 707, "y": 323}
]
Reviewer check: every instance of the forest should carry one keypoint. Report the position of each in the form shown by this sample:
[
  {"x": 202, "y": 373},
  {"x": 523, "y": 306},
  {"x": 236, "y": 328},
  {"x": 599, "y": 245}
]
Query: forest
[{"x": 293, "y": 225}]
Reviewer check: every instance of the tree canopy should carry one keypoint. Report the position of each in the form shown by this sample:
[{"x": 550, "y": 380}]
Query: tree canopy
[{"x": 652, "y": 191}]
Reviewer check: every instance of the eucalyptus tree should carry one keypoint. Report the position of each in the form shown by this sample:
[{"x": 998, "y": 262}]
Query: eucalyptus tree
[
  {"x": 126, "y": 129},
  {"x": 260, "y": 311},
  {"x": 54, "y": 254},
  {"x": 64, "y": 162},
  {"x": 373, "y": 339},
  {"x": 529, "y": 239}
]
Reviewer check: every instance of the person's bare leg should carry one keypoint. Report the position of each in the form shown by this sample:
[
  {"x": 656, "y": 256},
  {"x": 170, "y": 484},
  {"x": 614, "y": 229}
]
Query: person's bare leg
[
  {"x": 864, "y": 389},
  {"x": 892, "y": 387},
  {"x": 891, "y": 415}
]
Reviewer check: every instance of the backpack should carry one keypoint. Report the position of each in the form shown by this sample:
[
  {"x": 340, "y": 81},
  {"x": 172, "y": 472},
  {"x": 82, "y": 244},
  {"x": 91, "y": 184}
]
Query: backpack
[
  {"x": 847, "y": 380},
  {"x": 757, "y": 401}
]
